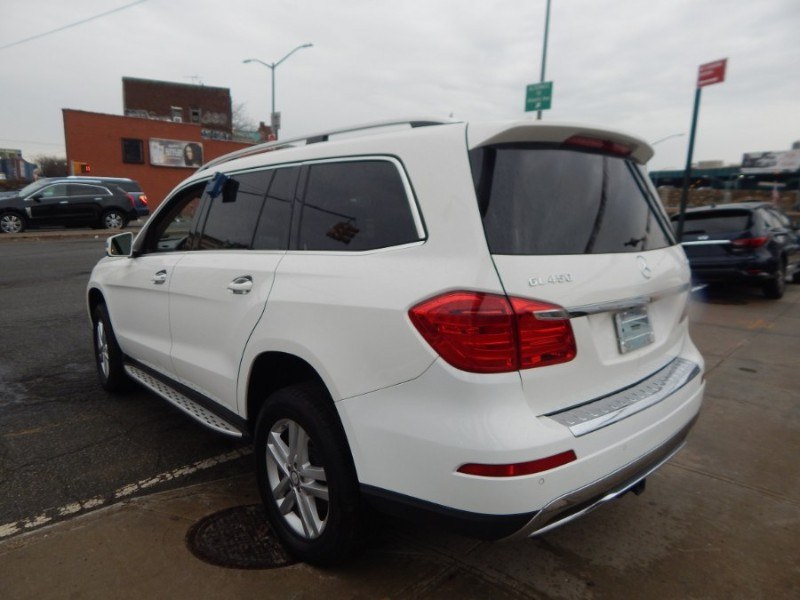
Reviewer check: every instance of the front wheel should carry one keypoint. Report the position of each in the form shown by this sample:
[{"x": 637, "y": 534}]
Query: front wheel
[
  {"x": 108, "y": 355},
  {"x": 306, "y": 475},
  {"x": 12, "y": 223},
  {"x": 114, "y": 219}
]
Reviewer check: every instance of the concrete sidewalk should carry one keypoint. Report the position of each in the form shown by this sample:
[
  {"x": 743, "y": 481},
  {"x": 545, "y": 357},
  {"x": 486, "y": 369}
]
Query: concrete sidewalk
[{"x": 721, "y": 520}]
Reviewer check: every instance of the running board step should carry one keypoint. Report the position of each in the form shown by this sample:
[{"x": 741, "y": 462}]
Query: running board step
[{"x": 183, "y": 402}]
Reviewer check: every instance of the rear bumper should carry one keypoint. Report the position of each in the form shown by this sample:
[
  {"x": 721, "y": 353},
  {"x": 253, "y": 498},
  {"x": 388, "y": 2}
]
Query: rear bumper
[
  {"x": 578, "y": 503},
  {"x": 425, "y": 429},
  {"x": 752, "y": 271}
]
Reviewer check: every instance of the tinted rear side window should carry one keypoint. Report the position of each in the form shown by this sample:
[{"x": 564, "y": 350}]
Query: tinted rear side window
[
  {"x": 273, "y": 226},
  {"x": 727, "y": 221},
  {"x": 544, "y": 200},
  {"x": 354, "y": 206}
]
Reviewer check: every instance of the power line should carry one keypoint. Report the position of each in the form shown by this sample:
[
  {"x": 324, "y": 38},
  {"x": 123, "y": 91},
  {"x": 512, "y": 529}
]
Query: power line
[{"x": 40, "y": 35}]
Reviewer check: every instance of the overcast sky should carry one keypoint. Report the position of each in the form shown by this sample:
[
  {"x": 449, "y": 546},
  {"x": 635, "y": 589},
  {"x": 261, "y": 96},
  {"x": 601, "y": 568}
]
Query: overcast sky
[{"x": 623, "y": 64}]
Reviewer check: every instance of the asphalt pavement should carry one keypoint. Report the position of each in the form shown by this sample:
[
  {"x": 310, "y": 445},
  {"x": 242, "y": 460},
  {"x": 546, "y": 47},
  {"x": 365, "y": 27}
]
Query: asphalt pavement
[{"x": 721, "y": 520}]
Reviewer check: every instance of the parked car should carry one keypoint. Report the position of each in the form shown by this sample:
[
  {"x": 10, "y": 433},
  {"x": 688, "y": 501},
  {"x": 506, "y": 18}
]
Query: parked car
[
  {"x": 479, "y": 325},
  {"x": 73, "y": 202},
  {"x": 131, "y": 186},
  {"x": 750, "y": 243}
]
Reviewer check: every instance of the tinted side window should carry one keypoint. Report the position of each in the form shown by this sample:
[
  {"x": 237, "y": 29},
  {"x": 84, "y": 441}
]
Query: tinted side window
[
  {"x": 232, "y": 217},
  {"x": 353, "y": 206},
  {"x": 175, "y": 226},
  {"x": 54, "y": 191},
  {"x": 771, "y": 219},
  {"x": 86, "y": 190},
  {"x": 273, "y": 226},
  {"x": 549, "y": 201},
  {"x": 783, "y": 220}
]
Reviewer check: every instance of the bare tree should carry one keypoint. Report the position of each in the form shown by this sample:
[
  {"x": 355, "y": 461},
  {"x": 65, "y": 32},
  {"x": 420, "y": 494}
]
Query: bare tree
[
  {"x": 51, "y": 166},
  {"x": 241, "y": 121}
]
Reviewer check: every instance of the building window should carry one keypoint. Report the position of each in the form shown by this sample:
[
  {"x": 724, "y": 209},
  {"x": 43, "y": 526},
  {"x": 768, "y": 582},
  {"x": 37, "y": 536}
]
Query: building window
[
  {"x": 177, "y": 114},
  {"x": 132, "y": 151},
  {"x": 195, "y": 115}
]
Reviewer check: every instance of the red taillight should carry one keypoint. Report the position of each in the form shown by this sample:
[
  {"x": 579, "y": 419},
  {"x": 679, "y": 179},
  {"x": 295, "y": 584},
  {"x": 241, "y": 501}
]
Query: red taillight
[
  {"x": 542, "y": 341},
  {"x": 599, "y": 145},
  {"x": 143, "y": 199},
  {"x": 517, "y": 469},
  {"x": 490, "y": 333},
  {"x": 755, "y": 242}
]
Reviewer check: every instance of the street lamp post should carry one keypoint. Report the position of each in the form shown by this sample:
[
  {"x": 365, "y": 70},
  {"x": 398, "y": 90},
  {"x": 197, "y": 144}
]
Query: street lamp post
[
  {"x": 544, "y": 51},
  {"x": 272, "y": 66}
]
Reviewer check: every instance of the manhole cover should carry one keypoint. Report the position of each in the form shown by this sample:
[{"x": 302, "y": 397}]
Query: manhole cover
[{"x": 238, "y": 538}]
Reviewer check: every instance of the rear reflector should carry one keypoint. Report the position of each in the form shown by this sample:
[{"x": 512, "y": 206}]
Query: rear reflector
[
  {"x": 491, "y": 333},
  {"x": 517, "y": 469},
  {"x": 606, "y": 146}
]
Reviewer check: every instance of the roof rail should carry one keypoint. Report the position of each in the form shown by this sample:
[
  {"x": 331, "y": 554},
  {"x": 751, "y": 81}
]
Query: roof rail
[{"x": 319, "y": 137}]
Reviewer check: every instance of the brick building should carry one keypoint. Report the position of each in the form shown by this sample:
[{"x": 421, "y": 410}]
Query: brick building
[
  {"x": 209, "y": 107},
  {"x": 169, "y": 129}
]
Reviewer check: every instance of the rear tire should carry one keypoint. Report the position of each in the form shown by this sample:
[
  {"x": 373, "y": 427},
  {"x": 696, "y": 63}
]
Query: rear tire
[
  {"x": 775, "y": 288},
  {"x": 113, "y": 219},
  {"x": 107, "y": 353},
  {"x": 12, "y": 222},
  {"x": 306, "y": 475}
]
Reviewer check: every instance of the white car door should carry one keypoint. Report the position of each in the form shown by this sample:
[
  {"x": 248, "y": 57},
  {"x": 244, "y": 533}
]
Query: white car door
[
  {"x": 219, "y": 291},
  {"x": 137, "y": 289}
]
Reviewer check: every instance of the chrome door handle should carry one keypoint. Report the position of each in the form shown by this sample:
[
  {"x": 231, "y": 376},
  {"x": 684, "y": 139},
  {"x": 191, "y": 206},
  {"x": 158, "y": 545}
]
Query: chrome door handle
[
  {"x": 241, "y": 285},
  {"x": 160, "y": 277}
]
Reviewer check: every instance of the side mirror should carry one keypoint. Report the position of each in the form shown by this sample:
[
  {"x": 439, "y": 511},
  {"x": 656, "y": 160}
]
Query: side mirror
[{"x": 120, "y": 244}]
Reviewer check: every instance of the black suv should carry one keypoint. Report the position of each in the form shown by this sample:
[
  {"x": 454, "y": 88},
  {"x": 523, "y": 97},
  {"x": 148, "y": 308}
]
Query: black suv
[
  {"x": 73, "y": 201},
  {"x": 749, "y": 243}
]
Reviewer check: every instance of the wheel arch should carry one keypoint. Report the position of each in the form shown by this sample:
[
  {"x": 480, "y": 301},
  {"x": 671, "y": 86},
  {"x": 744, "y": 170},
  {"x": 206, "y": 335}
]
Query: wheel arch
[
  {"x": 94, "y": 299},
  {"x": 272, "y": 371}
]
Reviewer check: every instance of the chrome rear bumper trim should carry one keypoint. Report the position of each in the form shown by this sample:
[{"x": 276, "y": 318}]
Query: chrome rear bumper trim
[
  {"x": 576, "y": 504},
  {"x": 604, "y": 411}
]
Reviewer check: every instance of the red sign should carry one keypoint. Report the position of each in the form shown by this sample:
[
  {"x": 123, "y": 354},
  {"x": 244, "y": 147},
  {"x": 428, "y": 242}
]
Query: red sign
[{"x": 713, "y": 72}]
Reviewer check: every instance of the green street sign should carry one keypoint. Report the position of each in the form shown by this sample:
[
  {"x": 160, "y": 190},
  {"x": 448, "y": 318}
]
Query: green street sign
[{"x": 538, "y": 96}]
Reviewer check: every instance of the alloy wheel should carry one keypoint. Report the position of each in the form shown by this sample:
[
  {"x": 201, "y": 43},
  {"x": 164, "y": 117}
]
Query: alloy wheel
[
  {"x": 299, "y": 487},
  {"x": 103, "y": 359},
  {"x": 113, "y": 220},
  {"x": 10, "y": 224}
]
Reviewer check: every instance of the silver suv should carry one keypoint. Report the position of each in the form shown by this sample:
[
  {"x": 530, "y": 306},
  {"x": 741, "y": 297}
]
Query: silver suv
[{"x": 478, "y": 324}]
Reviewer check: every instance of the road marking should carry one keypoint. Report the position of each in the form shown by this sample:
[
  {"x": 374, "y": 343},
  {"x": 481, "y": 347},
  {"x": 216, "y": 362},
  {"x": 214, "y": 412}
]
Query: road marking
[{"x": 74, "y": 508}]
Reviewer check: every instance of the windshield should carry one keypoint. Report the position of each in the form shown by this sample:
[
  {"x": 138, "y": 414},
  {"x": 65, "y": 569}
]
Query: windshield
[
  {"x": 540, "y": 200},
  {"x": 716, "y": 222}
]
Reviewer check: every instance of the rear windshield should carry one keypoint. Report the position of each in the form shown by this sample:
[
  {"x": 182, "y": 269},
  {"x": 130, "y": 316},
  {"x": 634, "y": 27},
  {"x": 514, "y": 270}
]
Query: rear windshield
[
  {"x": 719, "y": 221},
  {"x": 538, "y": 200}
]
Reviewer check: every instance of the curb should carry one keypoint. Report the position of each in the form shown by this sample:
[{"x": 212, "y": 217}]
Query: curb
[{"x": 45, "y": 235}]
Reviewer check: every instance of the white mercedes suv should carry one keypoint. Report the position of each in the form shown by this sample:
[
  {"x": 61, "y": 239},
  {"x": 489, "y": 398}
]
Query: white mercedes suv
[{"x": 479, "y": 324}]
